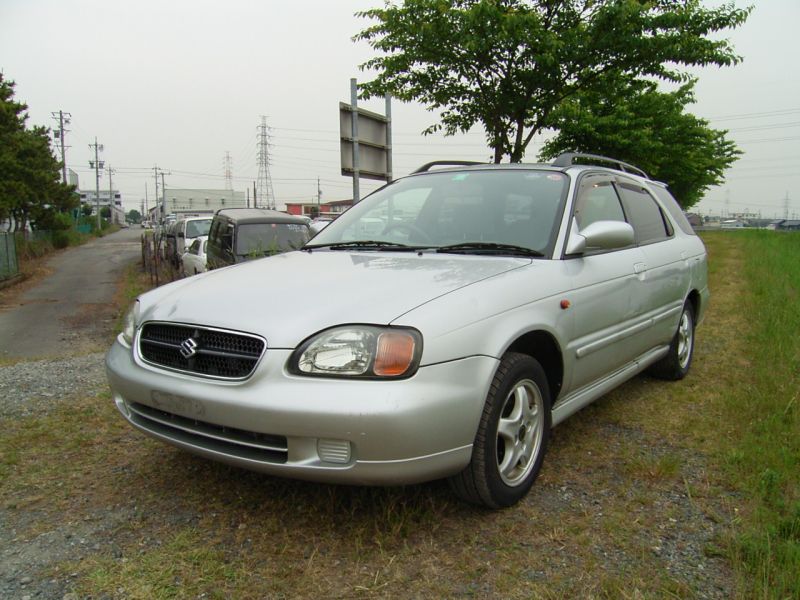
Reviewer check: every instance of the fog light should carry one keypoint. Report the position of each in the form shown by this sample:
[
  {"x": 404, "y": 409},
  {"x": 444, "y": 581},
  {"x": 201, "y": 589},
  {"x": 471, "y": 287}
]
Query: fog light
[{"x": 334, "y": 451}]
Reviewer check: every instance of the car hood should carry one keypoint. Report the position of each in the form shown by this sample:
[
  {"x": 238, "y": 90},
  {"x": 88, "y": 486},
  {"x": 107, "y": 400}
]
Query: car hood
[{"x": 288, "y": 297}]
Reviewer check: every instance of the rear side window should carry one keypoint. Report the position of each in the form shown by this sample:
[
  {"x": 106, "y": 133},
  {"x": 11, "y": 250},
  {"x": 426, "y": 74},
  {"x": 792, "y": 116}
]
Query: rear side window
[
  {"x": 674, "y": 209},
  {"x": 643, "y": 214},
  {"x": 265, "y": 239}
]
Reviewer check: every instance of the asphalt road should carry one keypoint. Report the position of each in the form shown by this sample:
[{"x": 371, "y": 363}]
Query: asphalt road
[{"x": 71, "y": 310}]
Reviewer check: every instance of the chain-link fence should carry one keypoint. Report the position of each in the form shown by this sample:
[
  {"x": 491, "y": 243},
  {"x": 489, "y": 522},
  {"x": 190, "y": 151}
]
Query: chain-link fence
[{"x": 8, "y": 256}]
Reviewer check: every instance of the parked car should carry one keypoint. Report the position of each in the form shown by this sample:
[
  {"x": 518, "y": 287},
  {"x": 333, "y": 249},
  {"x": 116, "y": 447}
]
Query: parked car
[
  {"x": 494, "y": 302},
  {"x": 163, "y": 236},
  {"x": 318, "y": 225},
  {"x": 184, "y": 231},
  {"x": 240, "y": 234},
  {"x": 194, "y": 259}
]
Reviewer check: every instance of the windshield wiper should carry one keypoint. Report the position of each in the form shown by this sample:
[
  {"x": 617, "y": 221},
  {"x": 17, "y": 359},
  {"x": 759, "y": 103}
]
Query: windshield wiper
[
  {"x": 363, "y": 244},
  {"x": 488, "y": 248}
]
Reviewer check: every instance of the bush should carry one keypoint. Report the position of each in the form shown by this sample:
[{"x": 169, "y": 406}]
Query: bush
[{"x": 61, "y": 239}]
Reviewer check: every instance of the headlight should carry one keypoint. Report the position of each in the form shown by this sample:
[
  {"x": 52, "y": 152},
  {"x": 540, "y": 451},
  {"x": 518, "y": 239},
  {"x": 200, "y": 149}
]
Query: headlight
[
  {"x": 361, "y": 351},
  {"x": 130, "y": 322}
]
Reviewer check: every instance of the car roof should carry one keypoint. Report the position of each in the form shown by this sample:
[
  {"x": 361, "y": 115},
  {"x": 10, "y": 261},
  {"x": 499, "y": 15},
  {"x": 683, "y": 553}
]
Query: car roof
[{"x": 259, "y": 215}]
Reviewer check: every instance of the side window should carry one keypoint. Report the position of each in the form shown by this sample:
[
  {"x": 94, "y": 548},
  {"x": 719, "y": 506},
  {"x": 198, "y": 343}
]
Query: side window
[
  {"x": 674, "y": 209},
  {"x": 213, "y": 234},
  {"x": 597, "y": 201},
  {"x": 644, "y": 214},
  {"x": 226, "y": 239}
]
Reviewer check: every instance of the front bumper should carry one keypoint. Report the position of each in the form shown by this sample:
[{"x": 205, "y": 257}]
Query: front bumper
[{"x": 329, "y": 430}]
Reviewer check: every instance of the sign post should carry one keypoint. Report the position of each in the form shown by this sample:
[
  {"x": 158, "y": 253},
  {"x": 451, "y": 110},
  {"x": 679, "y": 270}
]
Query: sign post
[{"x": 365, "y": 142}]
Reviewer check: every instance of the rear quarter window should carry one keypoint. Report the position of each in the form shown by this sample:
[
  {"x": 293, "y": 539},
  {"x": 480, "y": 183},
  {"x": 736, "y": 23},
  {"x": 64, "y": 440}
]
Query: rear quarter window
[{"x": 674, "y": 209}]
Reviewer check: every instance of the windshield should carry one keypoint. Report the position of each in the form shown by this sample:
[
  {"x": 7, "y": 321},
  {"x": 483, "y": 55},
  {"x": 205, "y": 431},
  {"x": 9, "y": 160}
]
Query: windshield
[
  {"x": 259, "y": 239},
  {"x": 510, "y": 207},
  {"x": 199, "y": 227},
  {"x": 195, "y": 228}
]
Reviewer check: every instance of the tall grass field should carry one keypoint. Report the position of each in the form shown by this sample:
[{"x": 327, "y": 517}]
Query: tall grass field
[{"x": 763, "y": 413}]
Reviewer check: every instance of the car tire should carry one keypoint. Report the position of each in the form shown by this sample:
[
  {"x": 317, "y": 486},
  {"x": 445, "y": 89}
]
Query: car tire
[
  {"x": 675, "y": 365},
  {"x": 512, "y": 436}
]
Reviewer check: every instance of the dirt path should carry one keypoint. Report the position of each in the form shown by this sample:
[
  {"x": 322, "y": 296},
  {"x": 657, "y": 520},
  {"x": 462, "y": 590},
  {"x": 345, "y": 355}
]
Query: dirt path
[{"x": 70, "y": 310}]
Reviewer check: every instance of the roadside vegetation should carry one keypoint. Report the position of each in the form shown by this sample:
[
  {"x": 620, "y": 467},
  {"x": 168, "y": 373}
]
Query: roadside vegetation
[
  {"x": 658, "y": 490},
  {"x": 762, "y": 416}
]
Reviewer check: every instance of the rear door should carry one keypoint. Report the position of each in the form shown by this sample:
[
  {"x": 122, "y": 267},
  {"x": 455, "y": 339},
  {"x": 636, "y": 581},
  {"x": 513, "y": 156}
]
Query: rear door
[
  {"x": 661, "y": 283},
  {"x": 606, "y": 315}
]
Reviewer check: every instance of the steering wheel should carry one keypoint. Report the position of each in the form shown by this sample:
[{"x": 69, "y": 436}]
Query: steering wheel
[{"x": 410, "y": 228}]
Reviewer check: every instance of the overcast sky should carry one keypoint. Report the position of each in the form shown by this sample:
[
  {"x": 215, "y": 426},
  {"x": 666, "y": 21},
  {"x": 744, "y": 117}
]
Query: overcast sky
[{"x": 179, "y": 83}]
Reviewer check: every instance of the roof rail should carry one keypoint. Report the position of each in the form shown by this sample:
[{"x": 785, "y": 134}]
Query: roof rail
[
  {"x": 568, "y": 159},
  {"x": 452, "y": 163}
]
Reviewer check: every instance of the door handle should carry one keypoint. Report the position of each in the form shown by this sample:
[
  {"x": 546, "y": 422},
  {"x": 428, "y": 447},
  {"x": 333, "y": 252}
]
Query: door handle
[{"x": 639, "y": 267}]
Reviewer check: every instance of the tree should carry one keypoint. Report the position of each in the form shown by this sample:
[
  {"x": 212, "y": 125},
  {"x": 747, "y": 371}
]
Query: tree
[
  {"x": 650, "y": 129},
  {"x": 134, "y": 216},
  {"x": 105, "y": 212},
  {"x": 508, "y": 64},
  {"x": 30, "y": 190}
]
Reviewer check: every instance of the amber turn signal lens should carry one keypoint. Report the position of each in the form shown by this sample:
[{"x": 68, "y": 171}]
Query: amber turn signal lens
[{"x": 395, "y": 354}]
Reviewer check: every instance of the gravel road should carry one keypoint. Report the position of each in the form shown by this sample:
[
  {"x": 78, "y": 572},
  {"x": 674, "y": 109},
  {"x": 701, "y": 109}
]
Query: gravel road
[
  {"x": 50, "y": 326},
  {"x": 32, "y": 388},
  {"x": 29, "y": 389},
  {"x": 72, "y": 309}
]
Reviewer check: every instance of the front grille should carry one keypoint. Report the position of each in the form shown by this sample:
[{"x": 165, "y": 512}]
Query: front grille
[
  {"x": 211, "y": 352},
  {"x": 259, "y": 447}
]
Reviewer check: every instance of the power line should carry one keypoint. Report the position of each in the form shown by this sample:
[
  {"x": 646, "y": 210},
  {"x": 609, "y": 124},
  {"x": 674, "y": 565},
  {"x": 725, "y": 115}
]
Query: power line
[{"x": 756, "y": 115}]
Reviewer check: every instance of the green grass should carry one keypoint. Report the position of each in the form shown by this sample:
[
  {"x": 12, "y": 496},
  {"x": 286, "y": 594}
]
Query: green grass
[{"x": 764, "y": 415}]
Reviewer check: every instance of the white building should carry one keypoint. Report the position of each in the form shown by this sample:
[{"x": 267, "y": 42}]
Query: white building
[
  {"x": 176, "y": 201},
  {"x": 111, "y": 198}
]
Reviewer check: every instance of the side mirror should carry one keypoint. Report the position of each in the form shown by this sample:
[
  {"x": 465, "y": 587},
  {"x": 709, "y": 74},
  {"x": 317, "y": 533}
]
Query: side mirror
[{"x": 603, "y": 235}]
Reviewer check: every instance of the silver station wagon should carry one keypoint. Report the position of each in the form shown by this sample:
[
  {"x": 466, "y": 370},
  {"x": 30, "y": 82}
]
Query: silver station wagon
[{"x": 438, "y": 329}]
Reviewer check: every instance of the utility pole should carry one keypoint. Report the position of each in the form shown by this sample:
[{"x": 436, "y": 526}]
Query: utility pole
[
  {"x": 354, "y": 133},
  {"x": 255, "y": 201},
  {"x": 164, "y": 191},
  {"x": 110, "y": 193},
  {"x": 63, "y": 118},
  {"x": 97, "y": 164},
  {"x": 156, "y": 172},
  {"x": 155, "y": 176},
  {"x": 389, "y": 172},
  {"x": 319, "y": 199}
]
